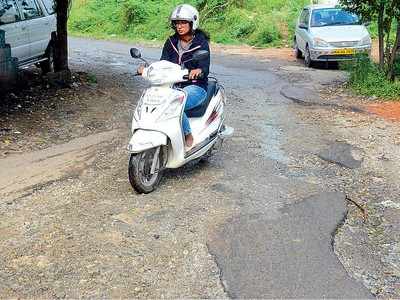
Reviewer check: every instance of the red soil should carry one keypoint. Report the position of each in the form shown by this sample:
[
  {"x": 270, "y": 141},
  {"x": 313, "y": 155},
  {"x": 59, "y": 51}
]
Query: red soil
[{"x": 387, "y": 110}]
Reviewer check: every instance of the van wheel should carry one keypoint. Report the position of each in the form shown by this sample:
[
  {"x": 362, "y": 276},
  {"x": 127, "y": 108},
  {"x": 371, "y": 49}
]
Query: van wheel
[{"x": 47, "y": 66}]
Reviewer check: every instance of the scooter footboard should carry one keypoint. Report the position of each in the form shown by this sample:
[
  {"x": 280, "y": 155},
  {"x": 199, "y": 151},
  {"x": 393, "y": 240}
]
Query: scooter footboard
[{"x": 143, "y": 140}]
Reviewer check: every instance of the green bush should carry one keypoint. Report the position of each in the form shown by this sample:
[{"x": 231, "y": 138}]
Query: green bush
[
  {"x": 367, "y": 79},
  {"x": 239, "y": 24},
  {"x": 254, "y": 22},
  {"x": 83, "y": 24},
  {"x": 266, "y": 34},
  {"x": 397, "y": 67},
  {"x": 97, "y": 16},
  {"x": 133, "y": 12},
  {"x": 242, "y": 30}
]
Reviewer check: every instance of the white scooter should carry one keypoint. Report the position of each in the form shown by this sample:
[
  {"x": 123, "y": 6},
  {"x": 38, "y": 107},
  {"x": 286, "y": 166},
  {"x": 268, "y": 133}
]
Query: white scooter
[{"x": 158, "y": 142}]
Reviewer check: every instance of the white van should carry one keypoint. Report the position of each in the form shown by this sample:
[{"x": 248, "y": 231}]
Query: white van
[{"x": 29, "y": 25}]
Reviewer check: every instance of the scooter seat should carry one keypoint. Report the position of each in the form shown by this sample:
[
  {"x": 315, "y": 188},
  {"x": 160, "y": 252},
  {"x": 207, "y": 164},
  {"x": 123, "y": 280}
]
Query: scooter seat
[{"x": 200, "y": 110}]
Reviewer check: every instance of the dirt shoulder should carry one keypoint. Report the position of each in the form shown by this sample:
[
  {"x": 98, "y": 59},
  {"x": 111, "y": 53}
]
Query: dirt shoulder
[{"x": 41, "y": 116}]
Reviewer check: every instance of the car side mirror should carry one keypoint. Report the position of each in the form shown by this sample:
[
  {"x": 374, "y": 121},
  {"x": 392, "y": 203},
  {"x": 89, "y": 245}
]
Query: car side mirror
[
  {"x": 303, "y": 26},
  {"x": 135, "y": 53}
]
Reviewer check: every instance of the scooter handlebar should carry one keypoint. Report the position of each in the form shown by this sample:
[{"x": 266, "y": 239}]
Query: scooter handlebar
[{"x": 200, "y": 77}]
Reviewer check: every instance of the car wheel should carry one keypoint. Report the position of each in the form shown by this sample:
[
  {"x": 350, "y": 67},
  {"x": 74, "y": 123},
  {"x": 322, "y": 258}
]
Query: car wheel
[
  {"x": 297, "y": 51},
  {"x": 307, "y": 58},
  {"x": 47, "y": 66}
]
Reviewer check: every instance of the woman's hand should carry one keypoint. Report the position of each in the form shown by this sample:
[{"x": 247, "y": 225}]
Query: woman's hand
[
  {"x": 140, "y": 70},
  {"x": 194, "y": 74}
]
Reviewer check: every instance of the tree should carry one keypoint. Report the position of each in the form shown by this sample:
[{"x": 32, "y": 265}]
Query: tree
[
  {"x": 61, "y": 40},
  {"x": 393, "y": 54},
  {"x": 386, "y": 13}
]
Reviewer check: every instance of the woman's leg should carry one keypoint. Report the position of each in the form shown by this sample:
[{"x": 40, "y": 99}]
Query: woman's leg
[{"x": 195, "y": 96}]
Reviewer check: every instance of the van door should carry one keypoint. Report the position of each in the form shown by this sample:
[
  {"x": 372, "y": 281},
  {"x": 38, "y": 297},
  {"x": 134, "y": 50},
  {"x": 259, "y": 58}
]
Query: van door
[
  {"x": 35, "y": 19},
  {"x": 16, "y": 33},
  {"x": 50, "y": 20}
]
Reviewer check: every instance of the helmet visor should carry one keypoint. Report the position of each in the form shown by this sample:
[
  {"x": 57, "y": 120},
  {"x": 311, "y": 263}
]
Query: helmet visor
[{"x": 174, "y": 20}]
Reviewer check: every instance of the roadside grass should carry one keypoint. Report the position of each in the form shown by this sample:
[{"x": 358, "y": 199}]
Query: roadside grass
[
  {"x": 91, "y": 78},
  {"x": 257, "y": 23},
  {"x": 367, "y": 79}
]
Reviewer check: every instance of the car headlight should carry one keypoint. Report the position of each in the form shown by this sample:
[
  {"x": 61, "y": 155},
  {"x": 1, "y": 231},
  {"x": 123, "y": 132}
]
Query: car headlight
[
  {"x": 366, "y": 41},
  {"x": 318, "y": 42}
]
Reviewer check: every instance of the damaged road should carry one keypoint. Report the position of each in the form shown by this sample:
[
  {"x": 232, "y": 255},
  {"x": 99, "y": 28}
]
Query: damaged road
[
  {"x": 49, "y": 165},
  {"x": 289, "y": 257},
  {"x": 266, "y": 217}
]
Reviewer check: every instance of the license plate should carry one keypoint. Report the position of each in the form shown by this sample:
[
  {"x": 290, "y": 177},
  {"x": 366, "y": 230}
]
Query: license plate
[{"x": 344, "y": 52}]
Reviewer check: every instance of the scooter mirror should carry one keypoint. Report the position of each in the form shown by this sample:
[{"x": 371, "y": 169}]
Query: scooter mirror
[
  {"x": 135, "y": 53},
  {"x": 200, "y": 55}
]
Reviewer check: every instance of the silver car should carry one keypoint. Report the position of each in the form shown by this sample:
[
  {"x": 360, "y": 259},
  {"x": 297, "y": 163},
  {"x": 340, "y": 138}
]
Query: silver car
[{"x": 329, "y": 33}]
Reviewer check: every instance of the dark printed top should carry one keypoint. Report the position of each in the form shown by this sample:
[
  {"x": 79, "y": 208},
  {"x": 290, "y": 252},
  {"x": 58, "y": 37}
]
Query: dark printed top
[{"x": 171, "y": 53}]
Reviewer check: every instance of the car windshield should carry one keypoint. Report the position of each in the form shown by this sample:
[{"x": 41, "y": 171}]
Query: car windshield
[{"x": 333, "y": 17}]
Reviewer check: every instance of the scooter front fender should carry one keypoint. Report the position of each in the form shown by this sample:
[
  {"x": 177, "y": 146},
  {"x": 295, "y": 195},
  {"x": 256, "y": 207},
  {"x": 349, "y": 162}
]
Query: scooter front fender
[{"x": 143, "y": 140}]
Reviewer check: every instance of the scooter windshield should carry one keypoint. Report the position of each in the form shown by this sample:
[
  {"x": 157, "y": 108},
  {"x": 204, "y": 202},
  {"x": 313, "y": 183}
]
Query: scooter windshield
[{"x": 164, "y": 72}]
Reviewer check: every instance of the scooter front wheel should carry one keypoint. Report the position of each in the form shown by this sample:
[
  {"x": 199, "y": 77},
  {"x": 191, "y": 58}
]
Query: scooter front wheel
[{"x": 145, "y": 170}]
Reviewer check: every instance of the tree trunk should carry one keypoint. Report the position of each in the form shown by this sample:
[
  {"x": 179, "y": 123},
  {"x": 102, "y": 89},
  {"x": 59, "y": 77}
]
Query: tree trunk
[
  {"x": 393, "y": 53},
  {"x": 61, "y": 40},
  {"x": 381, "y": 34}
]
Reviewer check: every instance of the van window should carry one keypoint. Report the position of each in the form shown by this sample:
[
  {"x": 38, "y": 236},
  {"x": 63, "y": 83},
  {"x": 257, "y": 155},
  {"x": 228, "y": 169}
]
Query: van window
[
  {"x": 29, "y": 9},
  {"x": 8, "y": 12},
  {"x": 50, "y": 6}
]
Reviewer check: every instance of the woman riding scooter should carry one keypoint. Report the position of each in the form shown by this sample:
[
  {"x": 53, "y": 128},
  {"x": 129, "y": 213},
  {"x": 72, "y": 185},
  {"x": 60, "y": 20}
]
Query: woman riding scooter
[{"x": 179, "y": 48}]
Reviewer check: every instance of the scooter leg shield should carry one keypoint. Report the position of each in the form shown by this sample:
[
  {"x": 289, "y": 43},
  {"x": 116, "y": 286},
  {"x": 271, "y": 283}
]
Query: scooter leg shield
[{"x": 143, "y": 140}]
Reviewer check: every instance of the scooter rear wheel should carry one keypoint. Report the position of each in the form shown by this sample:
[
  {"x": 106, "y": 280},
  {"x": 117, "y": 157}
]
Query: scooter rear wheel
[{"x": 139, "y": 171}]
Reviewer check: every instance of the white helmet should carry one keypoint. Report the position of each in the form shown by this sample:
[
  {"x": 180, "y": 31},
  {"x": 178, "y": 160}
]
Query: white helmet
[{"x": 186, "y": 12}]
